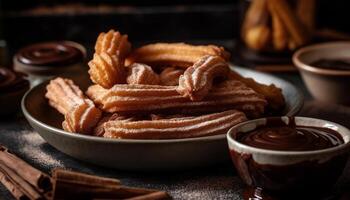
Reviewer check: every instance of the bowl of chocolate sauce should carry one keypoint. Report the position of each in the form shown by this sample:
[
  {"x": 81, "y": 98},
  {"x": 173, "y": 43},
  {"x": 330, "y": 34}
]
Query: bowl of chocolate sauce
[
  {"x": 289, "y": 157},
  {"x": 42, "y": 61},
  {"x": 325, "y": 69}
]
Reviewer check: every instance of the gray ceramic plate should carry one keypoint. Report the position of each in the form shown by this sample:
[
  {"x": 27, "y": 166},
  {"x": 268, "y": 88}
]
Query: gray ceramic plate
[{"x": 144, "y": 155}]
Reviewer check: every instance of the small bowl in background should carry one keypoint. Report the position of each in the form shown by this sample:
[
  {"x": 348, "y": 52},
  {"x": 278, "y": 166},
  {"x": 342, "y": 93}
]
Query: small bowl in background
[
  {"x": 45, "y": 60},
  {"x": 327, "y": 85},
  {"x": 289, "y": 172}
]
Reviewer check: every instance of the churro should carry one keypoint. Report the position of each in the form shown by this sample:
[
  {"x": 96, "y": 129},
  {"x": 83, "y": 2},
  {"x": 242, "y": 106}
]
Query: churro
[
  {"x": 272, "y": 94},
  {"x": 197, "y": 80},
  {"x": 142, "y": 74},
  {"x": 107, "y": 70},
  {"x": 113, "y": 43},
  {"x": 295, "y": 28},
  {"x": 210, "y": 124},
  {"x": 80, "y": 113},
  {"x": 174, "y": 54},
  {"x": 99, "y": 130},
  {"x": 154, "y": 98}
]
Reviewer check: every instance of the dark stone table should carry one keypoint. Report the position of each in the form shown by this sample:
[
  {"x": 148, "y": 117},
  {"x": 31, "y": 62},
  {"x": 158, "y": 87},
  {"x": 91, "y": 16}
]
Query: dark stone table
[{"x": 218, "y": 182}]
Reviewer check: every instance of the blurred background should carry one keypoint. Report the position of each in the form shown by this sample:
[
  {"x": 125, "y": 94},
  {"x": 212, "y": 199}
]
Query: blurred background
[{"x": 195, "y": 21}]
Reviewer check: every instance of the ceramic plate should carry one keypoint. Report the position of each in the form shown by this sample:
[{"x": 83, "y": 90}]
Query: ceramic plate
[{"x": 145, "y": 155}]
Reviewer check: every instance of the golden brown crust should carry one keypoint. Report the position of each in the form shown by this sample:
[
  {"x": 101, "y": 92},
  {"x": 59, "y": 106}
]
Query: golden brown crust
[
  {"x": 80, "y": 113},
  {"x": 113, "y": 43},
  {"x": 154, "y": 98},
  {"x": 107, "y": 66},
  {"x": 210, "y": 124},
  {"x": 99, "y": 129},
  {"x": 197, "y": 80},
  {"x": 272, "y": 94},
  {"x": 174, "y": 54},
  {"x": 107, "y": 70},
  {"x": 142, "y": 74}
]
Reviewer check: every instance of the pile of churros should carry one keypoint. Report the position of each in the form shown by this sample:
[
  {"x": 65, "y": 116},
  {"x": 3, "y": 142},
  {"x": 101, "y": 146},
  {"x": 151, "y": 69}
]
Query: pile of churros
[
  {"x": 159, "y": 91},
  {"x": 278, "y": 25}
]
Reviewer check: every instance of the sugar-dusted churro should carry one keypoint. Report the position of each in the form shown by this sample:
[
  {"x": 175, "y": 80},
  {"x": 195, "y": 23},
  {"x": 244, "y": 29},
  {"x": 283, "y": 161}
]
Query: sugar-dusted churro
[
  {"x": 210, "y": 124},
  {"x": 113, "y": 43},
  {"x": 272, "y": 94},
  {"x": 81, "y": 115},
  {"x": 99, "y": 130},
  {"x": 174, "y": 54},
  {"x": 142, "y": 74},
  {"x": 154, "y": 98},
  {"x": 107, "y": 70},
  {"x": 170, "y": 76},
  {"x": 197, "y": 80}
]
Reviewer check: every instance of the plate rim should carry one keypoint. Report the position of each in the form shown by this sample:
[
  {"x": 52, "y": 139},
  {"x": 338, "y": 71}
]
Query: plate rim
[{"x": 294, "y": 110}]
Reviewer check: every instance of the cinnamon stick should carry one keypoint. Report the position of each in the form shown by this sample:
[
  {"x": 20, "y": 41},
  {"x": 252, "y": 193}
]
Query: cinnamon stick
[
  {"x": 69, "y": 184},
  {"x": 38, "y": 179},
  {"x": 74, "y": 185},
  {"x": 12, "y": 188},
  {"x": 83, "y": 179},
  {"x": 19, "y": 183}
]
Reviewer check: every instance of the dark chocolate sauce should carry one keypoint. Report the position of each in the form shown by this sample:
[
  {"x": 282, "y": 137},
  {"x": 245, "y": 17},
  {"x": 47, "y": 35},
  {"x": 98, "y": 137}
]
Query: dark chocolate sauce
[
  {"x": 50, "y": 54},
  {"x": 304, "y": 180},
  {"x": 276, "y": 135},
  {"x": 337, "y": 64},
  {"x": 11, "y": 81}
]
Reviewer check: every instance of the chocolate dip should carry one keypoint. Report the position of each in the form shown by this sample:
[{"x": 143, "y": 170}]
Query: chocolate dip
[
  {"x": 307, "y": 179},
  {"x": 50, "y": 54}
]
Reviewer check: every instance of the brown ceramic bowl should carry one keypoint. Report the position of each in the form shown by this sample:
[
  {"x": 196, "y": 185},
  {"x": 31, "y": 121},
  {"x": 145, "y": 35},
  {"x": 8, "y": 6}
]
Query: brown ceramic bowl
[{"x": 327, "y": 85}]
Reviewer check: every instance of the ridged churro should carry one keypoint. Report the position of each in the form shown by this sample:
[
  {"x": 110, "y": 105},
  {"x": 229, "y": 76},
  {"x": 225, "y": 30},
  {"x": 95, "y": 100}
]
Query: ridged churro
[
  {"x": 272, "y": 94},
  {"x": 142, "y": 74},
  {"x": 154, "y": 98},
  {"x": 107, "y": 66},
  {"x": 99, "y": 130},
  {"x": 210, "y": 124},
  {"x": 107, "y": 70},
  {"x": 170, "y": 76},
  {"x": 113, "y": 43},
  {"x": 167, "y": 90},
  {"x": 174, "y": 54},
  {"x": 197, "y": 80},
  {"x": 80, "y": 113}
]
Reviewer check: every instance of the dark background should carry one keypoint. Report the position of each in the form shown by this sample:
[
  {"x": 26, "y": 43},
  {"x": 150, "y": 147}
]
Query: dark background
[{"x": 24, "y": 22}]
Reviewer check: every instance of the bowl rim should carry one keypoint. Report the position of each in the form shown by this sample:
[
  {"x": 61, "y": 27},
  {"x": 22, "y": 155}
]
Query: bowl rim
[
  {"x": 286, "y": 153},
  {"x": 293, "y": 111},
  {"x": 309, "y": 68}
]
